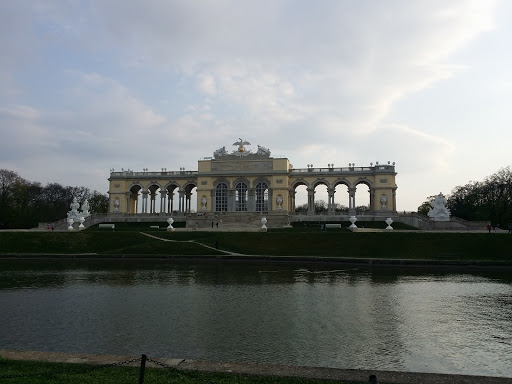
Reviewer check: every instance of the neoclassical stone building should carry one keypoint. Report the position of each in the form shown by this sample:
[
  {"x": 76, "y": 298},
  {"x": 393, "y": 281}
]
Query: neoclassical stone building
[{"x": 246, "y": 182}]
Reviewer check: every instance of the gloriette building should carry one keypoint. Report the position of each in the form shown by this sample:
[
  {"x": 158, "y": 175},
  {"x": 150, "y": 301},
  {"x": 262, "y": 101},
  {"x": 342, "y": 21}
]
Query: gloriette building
[{"x": 241, "y": 185}]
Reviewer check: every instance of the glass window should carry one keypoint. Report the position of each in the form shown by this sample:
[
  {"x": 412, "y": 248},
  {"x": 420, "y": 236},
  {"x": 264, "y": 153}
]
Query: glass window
[
  {"x": 221, "y": 197},
  {"x": 261, "y": 197},
  {"x": 241, "y": 197}
]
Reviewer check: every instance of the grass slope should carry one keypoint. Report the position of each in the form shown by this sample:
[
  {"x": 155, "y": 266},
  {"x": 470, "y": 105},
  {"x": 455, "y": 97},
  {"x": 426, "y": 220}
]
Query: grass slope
[{"x": 406, "y": 245}]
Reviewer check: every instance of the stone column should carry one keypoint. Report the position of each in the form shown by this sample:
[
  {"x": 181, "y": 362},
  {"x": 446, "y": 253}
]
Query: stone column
[
  {"x": 170, "y": 202},
  {"x": 163, "y": 195},
  {"x": 311, "y": 201},
  {"x": 152, "y": 204},
  {"x": 145, "y": 201},
  {"x": 330, "y": 201},
  {"x": 251, "y": 200},
  {"x": 394, "y": 200},
  {"x": 188, "y": 196},
  {"x": 213, "y": 205},
  {"x": 128, "y": 197},
  {"x": 372, "y": 200},
  {"x": 291, "y": 207},
  {"x": 231, "y": 200},
  {"x": 181, "y": 195},
  {"x": 352, "y": 201}
]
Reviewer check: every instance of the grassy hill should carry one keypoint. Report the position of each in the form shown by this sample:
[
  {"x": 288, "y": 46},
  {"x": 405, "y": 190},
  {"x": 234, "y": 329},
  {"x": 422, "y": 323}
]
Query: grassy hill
[{"x": 128, "y": 239}]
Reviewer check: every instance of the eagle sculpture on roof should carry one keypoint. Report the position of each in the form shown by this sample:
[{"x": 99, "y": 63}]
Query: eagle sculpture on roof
[{"x": 241, "y": 144}]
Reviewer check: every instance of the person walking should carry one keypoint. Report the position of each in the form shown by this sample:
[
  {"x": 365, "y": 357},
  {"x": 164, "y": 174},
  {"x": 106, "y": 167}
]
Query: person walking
[{"x": 489, "y": 227}]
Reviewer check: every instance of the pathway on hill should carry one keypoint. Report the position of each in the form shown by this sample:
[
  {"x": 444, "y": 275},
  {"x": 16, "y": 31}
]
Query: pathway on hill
[{"x": 193, "y": 241}]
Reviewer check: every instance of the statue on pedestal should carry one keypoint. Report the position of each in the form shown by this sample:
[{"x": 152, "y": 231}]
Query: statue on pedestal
[
  {"x": 383, "y": 202},
  {"x": 439, "y": 212},
  {"x": 279, "y": 201},
  {"x": 241, "y": 144},
  {"x": 85, "y": 209},
  {"x": 74, "y": 209}
]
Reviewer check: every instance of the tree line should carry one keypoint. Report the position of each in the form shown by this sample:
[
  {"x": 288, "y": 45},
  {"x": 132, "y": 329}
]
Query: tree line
[
  {"x": 487, "y": 200},
  {"x": 321, "y": 208},
  {"x": 24, "y": 204}
]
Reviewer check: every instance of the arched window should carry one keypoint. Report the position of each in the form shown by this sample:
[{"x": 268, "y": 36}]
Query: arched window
[
  {"x": 221, "y": 197},
  {"x": 241, "y": 197},
  {"x": 261, "y": 197}
]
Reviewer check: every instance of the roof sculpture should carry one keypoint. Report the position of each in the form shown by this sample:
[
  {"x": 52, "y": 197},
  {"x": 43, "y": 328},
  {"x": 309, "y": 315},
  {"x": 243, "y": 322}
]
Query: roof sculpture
[{"x": 221, "y": 153}]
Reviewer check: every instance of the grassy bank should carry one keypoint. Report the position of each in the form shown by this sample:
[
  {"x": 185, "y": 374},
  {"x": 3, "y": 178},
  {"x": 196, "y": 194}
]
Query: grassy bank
[
  {"x": 30, "y": 372},
  {"x": 406, "y": 245}
]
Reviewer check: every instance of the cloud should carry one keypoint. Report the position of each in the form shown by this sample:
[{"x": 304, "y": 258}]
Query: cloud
[{"x": 315, "y": 81}]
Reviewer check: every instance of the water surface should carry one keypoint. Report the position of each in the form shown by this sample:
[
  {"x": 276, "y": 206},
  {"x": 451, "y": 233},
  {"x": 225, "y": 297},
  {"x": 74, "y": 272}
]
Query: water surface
[{"x": 389, "y": 319}]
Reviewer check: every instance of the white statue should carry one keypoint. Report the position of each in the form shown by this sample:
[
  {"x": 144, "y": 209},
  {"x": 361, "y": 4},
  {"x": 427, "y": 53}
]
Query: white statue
[
  {"x": 116, "y": 205},
  {"x": 263, "y": 223},
  {"x": 219, "y": 152},
  {"x": 383, "y": 202},
  {"x": 279, "y": 201},
  {"x": 85, "y": 209},
  {"x": 439, "y": 212},
  {"x": 170, "y": 220},
  {"x": 74, "y": 208},
  {"x": 203, "y": 203},
  {"x": 263, "y": 151}
]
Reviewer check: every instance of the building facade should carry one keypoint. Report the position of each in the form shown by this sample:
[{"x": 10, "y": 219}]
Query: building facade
[{"x": 246, "y": 181}]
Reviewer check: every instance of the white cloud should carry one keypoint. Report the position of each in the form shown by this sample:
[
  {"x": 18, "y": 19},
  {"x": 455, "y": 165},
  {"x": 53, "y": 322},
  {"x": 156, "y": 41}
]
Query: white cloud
[{"x": 314, "y": 81}]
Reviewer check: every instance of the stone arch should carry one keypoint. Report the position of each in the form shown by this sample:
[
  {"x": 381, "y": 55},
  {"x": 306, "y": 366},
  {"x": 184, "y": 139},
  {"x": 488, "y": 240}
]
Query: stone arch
[
  {"x": 340, "y": 197},
  {"x": 221, "y": 180},
  {"x": 359, "y": 199},
  {"x": 298, "y": 196},
  {"x": 363, "y": 180},
  {"x": 261, "y": 180},
  {"x": 151, "y": 192},
  {"x": 171, "y": 191},
  {"x": 341, "y": 181},
  {"x": 134, "y": 194},
  {"x": 241, "y": 179},
  {"x": 319, "y": 203},
  {"x": 189, "y": 196},
  {"x": 299, "y": 182},
  {"x": 318, "y": 182}
]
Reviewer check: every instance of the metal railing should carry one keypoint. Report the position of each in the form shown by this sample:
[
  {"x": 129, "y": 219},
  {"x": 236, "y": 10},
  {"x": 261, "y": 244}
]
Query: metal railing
[
  {"x": 124, "y": 174},
  {"x": 375, "y": 169}
]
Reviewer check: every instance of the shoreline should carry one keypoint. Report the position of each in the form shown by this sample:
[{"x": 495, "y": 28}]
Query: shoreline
[
  {"x": 369, "y": 262},
  {"x": 395, "y": 377}
]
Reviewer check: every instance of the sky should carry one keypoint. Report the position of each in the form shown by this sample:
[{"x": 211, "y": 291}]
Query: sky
[{"x": 86, "y": 86}]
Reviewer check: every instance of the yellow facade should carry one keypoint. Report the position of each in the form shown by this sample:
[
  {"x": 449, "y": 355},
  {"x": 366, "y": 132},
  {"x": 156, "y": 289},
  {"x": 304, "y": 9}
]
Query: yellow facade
[{"x": 246, "y": 182}]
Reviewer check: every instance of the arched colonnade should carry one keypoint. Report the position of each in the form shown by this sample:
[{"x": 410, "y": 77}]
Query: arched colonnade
[
  {"x": 252, "y": 184},
  {"x": 378, "y": 197},
  {"x": 174, "y": 198}
]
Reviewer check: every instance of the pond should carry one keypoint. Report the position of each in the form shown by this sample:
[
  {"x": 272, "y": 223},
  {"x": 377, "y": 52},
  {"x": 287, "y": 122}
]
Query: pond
[{"x": 426, "y": 320}]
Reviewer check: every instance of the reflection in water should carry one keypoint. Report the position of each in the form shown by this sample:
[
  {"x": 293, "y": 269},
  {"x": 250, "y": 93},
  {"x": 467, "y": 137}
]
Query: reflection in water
[{"x": 412, "y": 320}]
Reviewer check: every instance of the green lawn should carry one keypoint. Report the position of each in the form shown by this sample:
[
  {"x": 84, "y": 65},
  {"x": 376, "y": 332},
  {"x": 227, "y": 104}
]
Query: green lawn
[
  {"x": 295, "y": 242},
  {"x": 30, "y": 372}
]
